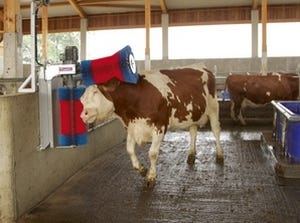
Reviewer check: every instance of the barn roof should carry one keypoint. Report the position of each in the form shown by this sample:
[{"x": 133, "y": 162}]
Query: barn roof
[
  {"x": 65, "y": 15},
  {"x": 84, "y": 8}
]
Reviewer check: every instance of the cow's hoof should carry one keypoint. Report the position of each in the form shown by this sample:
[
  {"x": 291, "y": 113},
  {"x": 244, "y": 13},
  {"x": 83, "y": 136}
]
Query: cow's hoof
[
  {"x": 150, "y": 183},
  {"x": 191, "y": 159},
  {"x": 143, "y": 171},
  {"x": 220, "y": 159}
]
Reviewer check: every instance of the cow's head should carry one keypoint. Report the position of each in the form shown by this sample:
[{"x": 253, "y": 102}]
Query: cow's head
[{"x": 95, "y": 105}]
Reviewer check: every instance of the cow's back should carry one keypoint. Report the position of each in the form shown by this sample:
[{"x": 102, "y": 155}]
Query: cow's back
[
  {"x": 160, "y": 95},
  {"x": 187, "y": 81},
  {"x": 190, "y": 91},
  {"x": 264, "y": 89},
  {"x": 261, "y": 89}
]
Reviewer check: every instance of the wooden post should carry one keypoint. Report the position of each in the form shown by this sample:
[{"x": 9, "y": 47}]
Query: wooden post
[
  {"x": 44, "y": 33},
  {"x": 8, "y": 201},
  {"x": 264, "y": 16},
  {"x": 12, "y": 43},
  {"x": 1, "y": 25},
  {"x": 10, "y": 15},
  {"x": 147, "y": 27},
  {"x": 254, "y": 4}
]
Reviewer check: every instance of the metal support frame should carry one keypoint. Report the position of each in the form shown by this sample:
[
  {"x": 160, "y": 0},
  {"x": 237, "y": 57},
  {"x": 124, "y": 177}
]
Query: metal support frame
[
  {"x": 47, "y": 83},
  {"x": 31, "y": 79},
  {"x": 29, "y": 85},
  {"x": 45, "y": 113},
  {"x": 49, "y": 80}
]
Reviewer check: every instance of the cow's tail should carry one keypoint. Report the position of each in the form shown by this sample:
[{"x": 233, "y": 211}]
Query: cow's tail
[
  {"x": 225, "y": 92},
  {"x": 226, "y": 81}
]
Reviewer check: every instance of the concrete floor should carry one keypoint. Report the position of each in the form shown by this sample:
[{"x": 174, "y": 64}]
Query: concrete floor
[{"x": 244, "y": 189}]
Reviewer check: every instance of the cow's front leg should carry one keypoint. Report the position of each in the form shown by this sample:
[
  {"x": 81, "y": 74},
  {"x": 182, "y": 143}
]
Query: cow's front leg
[
  {"x": 153, "y": 154},
  {"x": 134, "y": 160},
  {"x": 192, "y": 152}
]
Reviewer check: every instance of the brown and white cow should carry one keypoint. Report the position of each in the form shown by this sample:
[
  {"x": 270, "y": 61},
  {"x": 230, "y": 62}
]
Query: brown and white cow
[
  {"x": 182, "y": 98},
  {"x": 257, "y": 90}
]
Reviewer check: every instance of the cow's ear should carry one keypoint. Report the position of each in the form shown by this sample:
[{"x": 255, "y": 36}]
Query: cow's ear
[{"x": 111, "y": 84}]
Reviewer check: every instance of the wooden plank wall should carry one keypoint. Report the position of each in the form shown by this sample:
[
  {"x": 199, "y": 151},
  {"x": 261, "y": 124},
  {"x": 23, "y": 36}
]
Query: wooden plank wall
[{"x": 235, "y": 15}]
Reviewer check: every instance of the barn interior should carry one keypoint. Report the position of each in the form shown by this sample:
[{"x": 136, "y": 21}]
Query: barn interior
[{"x": 95, "y": 182}]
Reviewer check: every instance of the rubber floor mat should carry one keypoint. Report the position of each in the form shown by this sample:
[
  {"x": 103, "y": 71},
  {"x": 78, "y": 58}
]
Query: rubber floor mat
[{"x": 244, "y": 189}]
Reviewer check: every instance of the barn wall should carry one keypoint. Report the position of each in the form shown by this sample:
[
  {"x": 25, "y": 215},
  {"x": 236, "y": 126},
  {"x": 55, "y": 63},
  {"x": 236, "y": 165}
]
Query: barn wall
[
  {"x": 28, "y": 175},
  {"x": 223, "y": 67},
  {"x": 234, "y": 65}
]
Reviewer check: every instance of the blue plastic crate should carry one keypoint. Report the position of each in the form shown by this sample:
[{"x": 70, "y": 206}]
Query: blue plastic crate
[{"x": 287, "y": 129}]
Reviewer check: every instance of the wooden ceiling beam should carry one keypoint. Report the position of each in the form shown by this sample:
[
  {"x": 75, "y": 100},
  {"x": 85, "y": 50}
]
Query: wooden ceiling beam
[
  {"x": 97, "y": 3},
  {"x": 105, "y": 1},
  {"x": 77, "y": 8},
  {"x": 116, "y": 6},
  {"x": 163, "y": 6}
]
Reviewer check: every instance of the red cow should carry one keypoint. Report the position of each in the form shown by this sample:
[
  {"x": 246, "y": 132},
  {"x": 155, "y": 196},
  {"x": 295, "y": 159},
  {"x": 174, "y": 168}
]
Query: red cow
[
  {"x": 182, "y": 98},
  {"x": 258, "y": 90}
]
